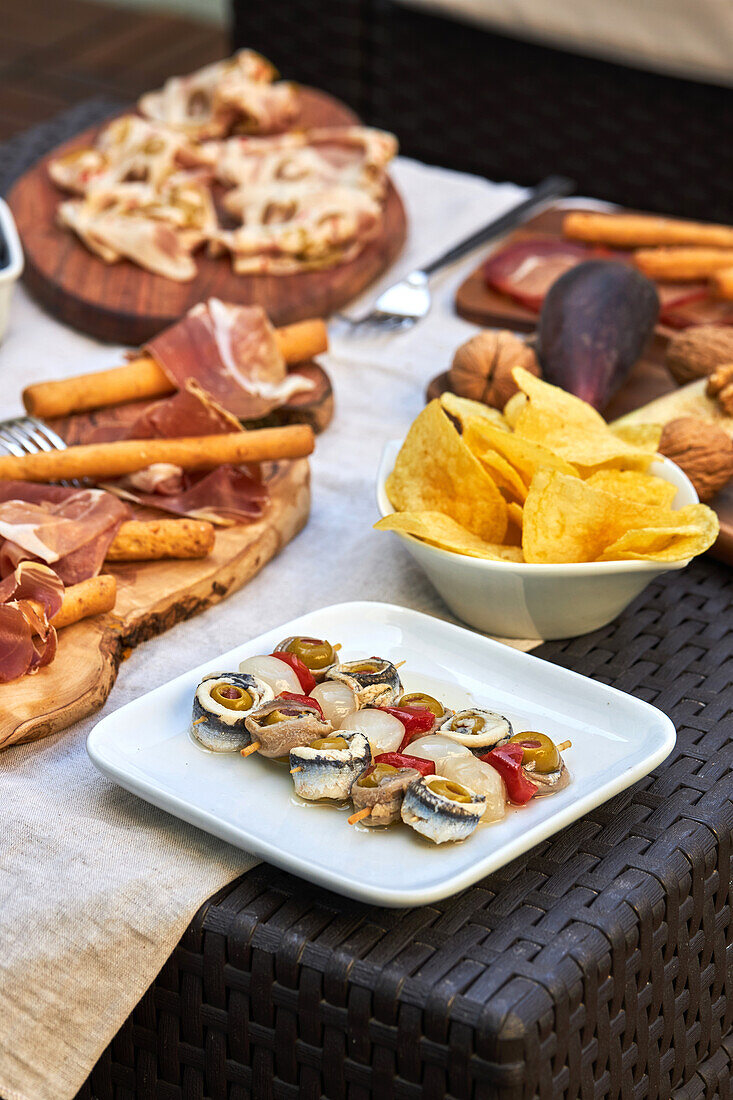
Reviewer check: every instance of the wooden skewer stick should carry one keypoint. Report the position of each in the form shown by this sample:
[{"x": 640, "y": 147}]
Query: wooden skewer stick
[
  {"x": 142, "y": 377},
  {"x": 294, "y": 770},
  {"x": 250, "y": 748},
  {"x": 564, "y": 745},
  {"x": 198, "y": 721},
  {"x": 359, "y": 815},
  {"x": 101, "y": 461}
]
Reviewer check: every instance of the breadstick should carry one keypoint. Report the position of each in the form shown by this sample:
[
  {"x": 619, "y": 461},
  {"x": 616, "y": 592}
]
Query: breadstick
[
  {"x": 101, "y": 461},
  {"x": 90, "y": 597},
  {"x": 140, "y": 540},
  {"x": 682, "y": 265},
  {"x": 722, "y": 283},
  {"x": 143, "y": 378},
  {"x": 643, "y": 230}
]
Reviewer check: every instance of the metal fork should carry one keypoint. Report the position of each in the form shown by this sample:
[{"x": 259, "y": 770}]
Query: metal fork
[
  {"x": 27, "y": 436},
  {"x": 401, "y": 306}
]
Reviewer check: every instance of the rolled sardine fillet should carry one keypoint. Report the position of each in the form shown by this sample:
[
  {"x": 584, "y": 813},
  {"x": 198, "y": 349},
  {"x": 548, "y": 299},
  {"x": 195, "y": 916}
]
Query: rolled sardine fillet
[
  {"x": 329, "y": 766},
  {"x": 221, "y": 706},
  {"x": 374, "y": 680},
  {"x": 442, "y": 810},
  {"x": 381, "y": 791},
  {"x": 478, "y": 729},
  {"x": 548, "y": 782},
  {"x": 282, "y": 724}
]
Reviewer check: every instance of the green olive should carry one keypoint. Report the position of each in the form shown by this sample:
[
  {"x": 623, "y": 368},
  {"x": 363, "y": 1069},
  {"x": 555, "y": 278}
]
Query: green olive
[
  {"x": 329, "y": 743},
  {"x": 364, "y": 668},
  {"x": 538, "y": 750},
  {"x": 423, "y": 702},
  {"x": 474, "y": 725},
  {"x": 276, "y": 716},
  {"x": 456, "y": 792},
  {"x": 377, "y": 774},
  {"x": 232, "y": 697},
  {"x": 314, "y": 653}
]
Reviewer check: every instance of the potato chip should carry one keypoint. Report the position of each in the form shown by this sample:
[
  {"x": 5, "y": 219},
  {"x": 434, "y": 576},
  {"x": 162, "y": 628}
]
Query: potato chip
[
  {"x": 462, "y": 408},
  {"x": 568, "y": 520},
  {"x": 503, "y": 473},
  {"x": 573, "y": 429},
  {"x": 643, "y": 488},
  {"x": 513, "y": 407},
  {"x": 524, "y": 456},
  {"x": 664, "y": 543},
  {"x": 646, "y": 436},
  {"x": 442, "y": 531},
  {"x": 435, "y": 471},
  {"x": 515, "y": 512}
]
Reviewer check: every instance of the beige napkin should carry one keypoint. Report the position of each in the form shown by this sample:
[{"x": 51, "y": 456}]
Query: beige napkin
[{"x": 96, "y": 887}]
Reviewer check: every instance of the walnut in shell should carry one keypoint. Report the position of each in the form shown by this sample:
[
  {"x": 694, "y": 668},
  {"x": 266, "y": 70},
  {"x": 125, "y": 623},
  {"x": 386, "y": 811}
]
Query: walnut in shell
[
  {"x": 720, "y": 385},
  {"x": 482, "y": 367},
  {"x": 703, "y": 450},
  {"x": 699, "y": 351}
]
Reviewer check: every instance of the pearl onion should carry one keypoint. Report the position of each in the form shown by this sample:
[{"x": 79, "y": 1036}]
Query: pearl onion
[
  {"x": 337, "y": 701},
  {"x": 274, "y": 672},
  {"x": 384, "y": 732}
]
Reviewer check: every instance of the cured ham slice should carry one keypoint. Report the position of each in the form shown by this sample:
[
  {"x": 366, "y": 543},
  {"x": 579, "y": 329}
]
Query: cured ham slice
[
  {"x": 69, "y": 529},
  {"x": 525, "y": 271},
  {"x": 232, "y": 353},
  {"x": 226, "y": 495},
  {"x": 239, "y": 92},
  {"x": 29, "y": 598}
]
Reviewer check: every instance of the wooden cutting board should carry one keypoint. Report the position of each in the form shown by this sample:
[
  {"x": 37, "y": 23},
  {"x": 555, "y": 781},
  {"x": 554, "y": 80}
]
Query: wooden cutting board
[
  {"x": 126, "y": 305},
  {"x": 648, "y": 381},
  {"x": 151, "y": 597}
]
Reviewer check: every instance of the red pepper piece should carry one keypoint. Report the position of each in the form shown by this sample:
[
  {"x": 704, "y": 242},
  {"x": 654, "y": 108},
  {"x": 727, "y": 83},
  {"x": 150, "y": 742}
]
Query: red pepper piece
[
  {"x": 417, "y": 722},
  {"x": 400, "y": 760},
  {"x": 507, "y": 760},
  {"x": 304, "y": 674},
  {"x": 293, "y": 698}
]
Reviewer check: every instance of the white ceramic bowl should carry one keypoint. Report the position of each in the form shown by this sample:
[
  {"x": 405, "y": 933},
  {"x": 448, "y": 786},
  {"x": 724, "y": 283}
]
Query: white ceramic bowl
[
  {"x": 13, "y": 269},
  {"x": 513, "y": 600}
]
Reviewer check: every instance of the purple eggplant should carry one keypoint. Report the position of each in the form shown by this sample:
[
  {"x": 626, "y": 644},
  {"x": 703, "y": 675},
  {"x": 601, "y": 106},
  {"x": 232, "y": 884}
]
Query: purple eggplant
[{"x": 594, "y": 323}]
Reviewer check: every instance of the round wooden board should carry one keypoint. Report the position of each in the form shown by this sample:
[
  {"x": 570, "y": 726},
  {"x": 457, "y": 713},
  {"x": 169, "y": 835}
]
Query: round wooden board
[{"x": 126, "y": 305}]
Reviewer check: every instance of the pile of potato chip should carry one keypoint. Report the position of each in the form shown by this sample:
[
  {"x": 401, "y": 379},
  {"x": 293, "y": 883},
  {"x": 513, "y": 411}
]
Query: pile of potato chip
[{"x": 546, "y": 481}]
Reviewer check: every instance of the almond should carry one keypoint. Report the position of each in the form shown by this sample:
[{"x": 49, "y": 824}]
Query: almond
[{"x": 703, "y": 450}]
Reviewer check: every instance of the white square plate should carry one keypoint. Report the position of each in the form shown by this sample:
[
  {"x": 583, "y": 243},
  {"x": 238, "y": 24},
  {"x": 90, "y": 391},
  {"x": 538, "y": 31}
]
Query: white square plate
[{"x": 145, "y": 746}]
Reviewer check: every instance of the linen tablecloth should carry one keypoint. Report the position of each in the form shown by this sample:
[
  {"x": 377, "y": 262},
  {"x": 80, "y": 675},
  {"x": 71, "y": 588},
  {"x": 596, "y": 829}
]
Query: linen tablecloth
[{"x": 96, "y": 886}]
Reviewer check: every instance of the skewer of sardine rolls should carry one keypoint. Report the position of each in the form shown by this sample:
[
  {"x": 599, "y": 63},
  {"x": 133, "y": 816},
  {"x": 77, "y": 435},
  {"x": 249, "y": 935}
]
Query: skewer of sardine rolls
[
  {"x": 329, "y": 766},
  {"x": 441, "y": 809},
  {"x": 374, "y": 680},
  {"x": 221, "y": 706},
  {"x": 377, "y": 794},
  {"x": 281, "y": 724}
]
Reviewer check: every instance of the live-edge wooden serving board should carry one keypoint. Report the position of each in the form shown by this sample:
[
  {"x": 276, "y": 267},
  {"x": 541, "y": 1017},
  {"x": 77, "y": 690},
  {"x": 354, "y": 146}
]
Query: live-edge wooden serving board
[
  {"x": 151, "y": 598},
  {"x": 649, "y": 380},
  {"x": 124, "y": 304}
]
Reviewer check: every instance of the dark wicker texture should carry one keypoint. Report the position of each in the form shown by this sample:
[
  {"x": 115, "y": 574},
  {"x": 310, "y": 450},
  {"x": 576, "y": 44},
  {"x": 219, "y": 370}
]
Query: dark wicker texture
[
  {"x": 600, "y": 966},
  {"x": 459, "y": 95}
]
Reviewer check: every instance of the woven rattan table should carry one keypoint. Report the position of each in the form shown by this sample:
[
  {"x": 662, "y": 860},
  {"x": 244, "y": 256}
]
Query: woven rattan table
[{"x": 598, "y": 966}]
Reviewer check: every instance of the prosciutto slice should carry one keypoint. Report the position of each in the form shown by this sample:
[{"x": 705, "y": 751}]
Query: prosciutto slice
[
  {"x": 232, "y": 353},
  {"x": 226, "y": 495},
  {"x": 67, "y": 528},
  {"x": 29, "y": 598}
]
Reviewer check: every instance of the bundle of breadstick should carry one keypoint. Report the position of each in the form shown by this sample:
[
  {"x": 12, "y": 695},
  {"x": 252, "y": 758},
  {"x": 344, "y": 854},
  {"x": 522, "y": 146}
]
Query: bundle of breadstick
[{"x": 667, "y": 250}]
